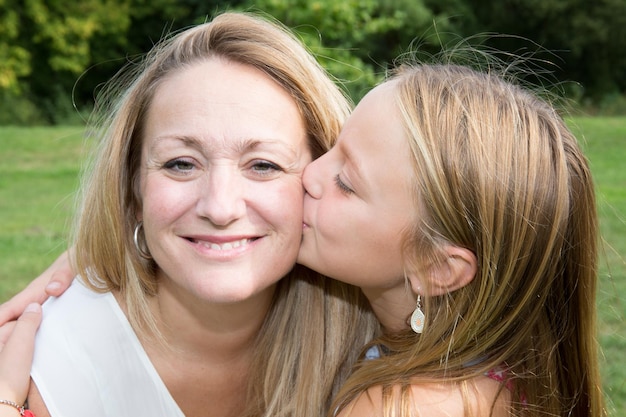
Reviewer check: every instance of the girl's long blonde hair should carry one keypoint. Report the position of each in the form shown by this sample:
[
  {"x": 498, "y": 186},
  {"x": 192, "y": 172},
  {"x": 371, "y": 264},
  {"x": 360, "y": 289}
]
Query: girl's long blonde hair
[
  {"x": 315, "y": 325},
  {"x": 497, "y": 172}
]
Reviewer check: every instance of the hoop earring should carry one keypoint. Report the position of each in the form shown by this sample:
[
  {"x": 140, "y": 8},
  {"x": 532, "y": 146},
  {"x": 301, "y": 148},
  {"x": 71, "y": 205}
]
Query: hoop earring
[
  {"x": 417, "y": 318},
  {"x": 141, "y": 249}
]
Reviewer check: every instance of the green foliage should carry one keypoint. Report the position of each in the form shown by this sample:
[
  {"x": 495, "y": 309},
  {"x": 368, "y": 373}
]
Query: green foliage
[
  {"x": 587, "y": 37},
  {"x": 335, "y": 32},
  {"x": 54, "y": 52},
  {"x": 18, "y": 110},
  {"x": 65, "y": 29},
  {"x": 14, "y": 59},
  {"x": 57, "y": 52},
  {"x": 612, "y": 105},
  {"x": 48, "y": 44},
  {"x": 358, "y": 40}
]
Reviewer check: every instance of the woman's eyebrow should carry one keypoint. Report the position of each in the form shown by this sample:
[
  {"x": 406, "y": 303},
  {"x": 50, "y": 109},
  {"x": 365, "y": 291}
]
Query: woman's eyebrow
[
  {"x": 188, "y": 141},
  {"x": 268, "y": 144},
  {"x": 240, "y": 145}
]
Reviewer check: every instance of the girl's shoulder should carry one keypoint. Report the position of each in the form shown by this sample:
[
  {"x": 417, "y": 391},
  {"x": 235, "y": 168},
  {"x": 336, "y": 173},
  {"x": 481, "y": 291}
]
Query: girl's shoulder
[{"x": 435, "y": 399}]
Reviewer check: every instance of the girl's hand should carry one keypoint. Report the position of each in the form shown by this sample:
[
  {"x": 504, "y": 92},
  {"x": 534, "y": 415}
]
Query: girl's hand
[
  {"x": 52, "y": 282},
  {"x": 16, "y": 357}
]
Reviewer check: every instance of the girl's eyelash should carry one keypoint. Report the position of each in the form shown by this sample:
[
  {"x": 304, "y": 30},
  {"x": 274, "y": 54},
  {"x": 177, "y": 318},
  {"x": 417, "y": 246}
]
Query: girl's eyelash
[{"x": 342, "y": 186}]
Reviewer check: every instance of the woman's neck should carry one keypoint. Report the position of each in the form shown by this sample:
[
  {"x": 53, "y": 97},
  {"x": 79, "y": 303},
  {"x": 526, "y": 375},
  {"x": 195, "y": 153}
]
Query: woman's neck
[{"x": 189, "y": 324}]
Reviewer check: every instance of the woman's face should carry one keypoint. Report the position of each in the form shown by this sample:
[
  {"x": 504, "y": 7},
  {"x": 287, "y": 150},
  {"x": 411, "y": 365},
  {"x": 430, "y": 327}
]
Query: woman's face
[
  {"x": 224, "y": 149},
  {"x": 359, "y": 200}
]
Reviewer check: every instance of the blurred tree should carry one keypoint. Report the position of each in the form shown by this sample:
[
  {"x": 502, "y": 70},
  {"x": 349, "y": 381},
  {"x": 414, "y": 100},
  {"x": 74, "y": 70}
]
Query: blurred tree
[
  {"x": 586, "y": 38},
  {"x": 149, "y": 22},
  {"x": 357, "y": 40},
  {"x": 52, "y": 39},
  {"x": 53, "y": 52},
  {"x": 14, "y": 58}
]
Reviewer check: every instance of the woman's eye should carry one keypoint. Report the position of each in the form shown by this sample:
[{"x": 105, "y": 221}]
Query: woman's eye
[
  {"x": 342, "y": 186},
  {"x": 265, "y": 167},
  {"x": 179, "y": 165}
]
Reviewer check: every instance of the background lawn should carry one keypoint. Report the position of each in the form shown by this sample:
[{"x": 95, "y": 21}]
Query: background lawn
[
  {"x": 604, "y": 141},
  {"x": 39, "y": 170}
]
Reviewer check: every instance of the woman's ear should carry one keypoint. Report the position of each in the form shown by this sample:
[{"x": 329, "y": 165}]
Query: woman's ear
[{"x": 457, "y": 269}]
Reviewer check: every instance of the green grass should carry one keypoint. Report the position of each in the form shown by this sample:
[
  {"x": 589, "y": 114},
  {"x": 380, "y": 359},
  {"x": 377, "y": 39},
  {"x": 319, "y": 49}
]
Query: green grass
[
  {"x": 38, "y": 175},
  {"x": 604, "y": 141},
  {"x": 39, "y": 169}
]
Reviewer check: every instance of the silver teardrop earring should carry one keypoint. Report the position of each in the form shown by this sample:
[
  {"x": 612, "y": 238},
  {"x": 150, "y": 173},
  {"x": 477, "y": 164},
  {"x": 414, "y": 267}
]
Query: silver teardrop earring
[
  {"x": 417, "y": 318},
  {"x": 141, "y": 249}
]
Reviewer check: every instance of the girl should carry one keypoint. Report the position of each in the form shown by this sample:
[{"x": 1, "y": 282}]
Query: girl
[{"x": 463, "y": 207}]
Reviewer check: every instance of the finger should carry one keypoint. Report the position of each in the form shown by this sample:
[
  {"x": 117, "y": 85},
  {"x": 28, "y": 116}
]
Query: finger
[
  {"x": 13, "y": 308},
  {"x": 60, "y": 281},
  {"x": 6, "y": 330},
  {"x": 36, "y": 290},
  {"x": 62, "y": 275},
  {"x": 19, "y": 348},
  {"x": 17, "y": 355}
]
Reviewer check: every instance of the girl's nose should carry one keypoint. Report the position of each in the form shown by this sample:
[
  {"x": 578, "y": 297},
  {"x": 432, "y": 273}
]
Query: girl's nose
[{"x": 311, "y": 179}]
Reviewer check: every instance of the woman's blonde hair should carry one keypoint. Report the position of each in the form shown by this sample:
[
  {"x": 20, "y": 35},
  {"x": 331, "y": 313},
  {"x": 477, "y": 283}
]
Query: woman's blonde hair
[
  {"x": 315, "y": 325},
  {"x": 497, "y": 172}
]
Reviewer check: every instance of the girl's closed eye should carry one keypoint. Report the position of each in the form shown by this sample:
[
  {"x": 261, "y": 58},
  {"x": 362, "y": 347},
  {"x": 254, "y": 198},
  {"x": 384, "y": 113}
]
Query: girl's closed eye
[{"x": 342, "y": 186}]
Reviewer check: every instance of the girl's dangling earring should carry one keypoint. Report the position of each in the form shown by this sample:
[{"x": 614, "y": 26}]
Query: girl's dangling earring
[{"x": 417, "y": 318}]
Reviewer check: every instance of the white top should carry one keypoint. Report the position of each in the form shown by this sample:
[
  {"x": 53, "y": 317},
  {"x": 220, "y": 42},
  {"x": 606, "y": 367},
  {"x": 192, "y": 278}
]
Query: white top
[{"x": 89, "y": 362}]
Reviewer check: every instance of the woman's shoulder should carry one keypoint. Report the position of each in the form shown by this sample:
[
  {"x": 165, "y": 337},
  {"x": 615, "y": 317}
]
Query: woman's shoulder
[{"x": 438, "y": 399}]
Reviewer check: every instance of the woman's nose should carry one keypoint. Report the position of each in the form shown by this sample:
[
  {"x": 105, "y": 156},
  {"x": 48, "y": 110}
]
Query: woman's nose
[{"x": 221, "y": 197}]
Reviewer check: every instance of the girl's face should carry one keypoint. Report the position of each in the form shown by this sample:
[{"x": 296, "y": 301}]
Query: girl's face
[
  {"x": 359, "y": 201},
  {"x": 224, "y": 149}
]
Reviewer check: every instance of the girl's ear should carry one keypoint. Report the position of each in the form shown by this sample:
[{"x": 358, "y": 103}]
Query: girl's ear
[{"x": 457, "y": 269}]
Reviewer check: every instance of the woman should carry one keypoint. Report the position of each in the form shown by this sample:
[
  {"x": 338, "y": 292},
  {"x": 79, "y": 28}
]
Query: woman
[
  {"x": 463, "y": 207},
  {"x": 187, "y": 235}
]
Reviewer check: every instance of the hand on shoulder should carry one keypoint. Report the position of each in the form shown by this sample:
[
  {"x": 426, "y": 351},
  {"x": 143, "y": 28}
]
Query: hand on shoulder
[
  {"x": 52, "y": 282},
  {"x": 16, "y": 359}
]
